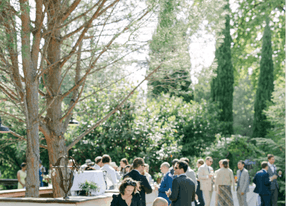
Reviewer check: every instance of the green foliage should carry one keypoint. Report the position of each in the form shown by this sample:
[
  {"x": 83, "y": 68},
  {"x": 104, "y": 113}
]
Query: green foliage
[
  {"x": 156, "y": 130},
  {"x": 248, "y": 21},
  {"x": 222, "y": 84},
  {"x": 234, "y": 148},
  {"x": 275, "y": 114},
  {"x": 243, "y": 107},
  {"x": 87, "y": 186},
  {"x": 197, "y": 126},
  {"x": 117, "y": 136},
  {"x": 265, "y": 85},
  {"x": 12, "y": 150},
  {"x": 202, "y": 89},
  {"x": 170, "y": 44}
]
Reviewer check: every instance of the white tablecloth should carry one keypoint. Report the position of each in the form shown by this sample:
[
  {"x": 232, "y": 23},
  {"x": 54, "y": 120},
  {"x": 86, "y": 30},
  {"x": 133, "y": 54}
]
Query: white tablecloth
[{"x": 92, "y": 176}]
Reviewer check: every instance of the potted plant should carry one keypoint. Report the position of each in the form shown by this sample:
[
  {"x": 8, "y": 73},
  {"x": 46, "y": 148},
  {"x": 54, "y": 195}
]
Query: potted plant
[
  {"x": 87, "y": 187},
  {"x": 47, "y": 179}
]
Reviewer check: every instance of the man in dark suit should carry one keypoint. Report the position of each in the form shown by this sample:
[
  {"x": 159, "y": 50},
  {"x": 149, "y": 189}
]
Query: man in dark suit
[
  {"x": 272, "y": 171},
  {"x": 262, "y": 182},
  {"x": 183, "y": 188},
  {"x": 135, "y": 174}
]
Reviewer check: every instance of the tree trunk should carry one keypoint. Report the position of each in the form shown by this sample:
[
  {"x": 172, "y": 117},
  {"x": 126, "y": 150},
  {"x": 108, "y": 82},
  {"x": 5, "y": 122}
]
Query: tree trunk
[
  {"x": 57, "y": 149},
  {"x": 55, "y": 140},
  {"x": 30, "y": 106},
  {"x": 32, "y": 154}
]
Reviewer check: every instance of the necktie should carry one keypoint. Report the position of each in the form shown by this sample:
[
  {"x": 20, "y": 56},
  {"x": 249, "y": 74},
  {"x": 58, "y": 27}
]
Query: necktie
[{"x": 209, "y": 169}]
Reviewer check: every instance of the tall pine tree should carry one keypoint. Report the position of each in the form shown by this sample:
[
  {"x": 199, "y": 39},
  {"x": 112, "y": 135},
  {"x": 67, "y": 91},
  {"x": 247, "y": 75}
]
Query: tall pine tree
[
  {"x": 265, "y": 85},
  {"x": 222, "y": 84},
  {"x": 170, "y": 44}
]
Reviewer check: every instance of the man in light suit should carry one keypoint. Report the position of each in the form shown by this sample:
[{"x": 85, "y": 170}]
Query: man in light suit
[
  {"x": 272, "y": 171},
  {"x": 242, "y": 183},
  {"x": 183, "y": 188},
  {"x": 205, "y": 175},
  {"x": 262, "y": 182},
  {"x": 190, "y": 173}
]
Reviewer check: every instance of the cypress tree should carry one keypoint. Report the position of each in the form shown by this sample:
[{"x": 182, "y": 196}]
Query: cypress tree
[
  {"x": 169, "y": 44},
  {"x": 265, "y": 85},
  {"x": 222, "y": 84}
]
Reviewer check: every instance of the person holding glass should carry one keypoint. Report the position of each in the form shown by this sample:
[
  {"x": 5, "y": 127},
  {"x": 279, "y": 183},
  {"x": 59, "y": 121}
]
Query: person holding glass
[
  {"x": 205, "y": 176},
  {"x": 21, "y": 176},
  {"x": 128, "y": 194}
]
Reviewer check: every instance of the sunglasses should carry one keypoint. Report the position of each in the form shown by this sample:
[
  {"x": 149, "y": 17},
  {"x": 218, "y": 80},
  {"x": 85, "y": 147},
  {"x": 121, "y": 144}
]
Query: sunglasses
[{"x": 131, "y": 183}]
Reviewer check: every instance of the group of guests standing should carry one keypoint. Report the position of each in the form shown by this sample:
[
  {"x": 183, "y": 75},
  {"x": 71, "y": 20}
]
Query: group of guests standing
[{"x": 180, "y": 185}]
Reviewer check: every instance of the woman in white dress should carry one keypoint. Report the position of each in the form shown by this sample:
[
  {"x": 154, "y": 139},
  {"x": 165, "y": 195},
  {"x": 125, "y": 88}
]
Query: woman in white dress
[{"x": 21, "y": 176}]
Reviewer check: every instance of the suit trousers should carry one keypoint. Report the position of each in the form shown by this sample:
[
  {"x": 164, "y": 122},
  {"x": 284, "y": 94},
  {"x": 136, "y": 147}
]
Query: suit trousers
[
  {"x": 208, "y": 196},
  {"x": 274, "y": 197},
  {"x": 241, "y": 198},
  {"x": 265, "y": 200}
]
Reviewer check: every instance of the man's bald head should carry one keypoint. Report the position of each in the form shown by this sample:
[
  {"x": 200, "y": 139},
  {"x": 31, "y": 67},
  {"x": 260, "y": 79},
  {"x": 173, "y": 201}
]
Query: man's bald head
[{"x": 159, "y": 201}]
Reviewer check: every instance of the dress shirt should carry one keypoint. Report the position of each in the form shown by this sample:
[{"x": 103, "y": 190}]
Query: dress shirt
[
  {"x": 111, "y": 174},
  {"x": 239, "y": 177},
  {"x": 271, "y": 167},
  {"x": 96, "y": 166}
]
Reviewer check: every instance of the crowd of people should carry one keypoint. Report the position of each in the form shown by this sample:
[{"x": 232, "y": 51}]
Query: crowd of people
[{"x": 180, "y": 184}]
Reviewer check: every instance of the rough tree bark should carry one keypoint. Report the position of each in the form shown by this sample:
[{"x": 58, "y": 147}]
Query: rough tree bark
[{"x": 30, "y": 106}]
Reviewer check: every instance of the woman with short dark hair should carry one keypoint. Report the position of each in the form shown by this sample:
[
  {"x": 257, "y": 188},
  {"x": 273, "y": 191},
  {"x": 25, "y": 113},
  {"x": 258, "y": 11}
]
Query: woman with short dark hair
[{"x": 128, "y": 194}]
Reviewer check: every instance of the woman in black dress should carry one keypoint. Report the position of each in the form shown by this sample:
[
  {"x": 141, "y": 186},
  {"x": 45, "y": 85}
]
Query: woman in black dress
[{"x": 128, "y": 194}]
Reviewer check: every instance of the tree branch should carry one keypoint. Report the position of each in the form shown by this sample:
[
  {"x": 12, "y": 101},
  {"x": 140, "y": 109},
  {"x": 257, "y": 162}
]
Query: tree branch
[
  {"x": 24, "y": 139},
  {"x": 88, "y": 24},
  {"x": 8, "y": 94},
  {"x": 70, "y": 10},
  {"x": 81, "y": 15},
  {"x": 37, "y": 32},
  {"x": 75, "y": 92},
  {"x": 77, "y": 139},
  {"x": 20, "y": 120},
  {"x": 17, "y": 135},
  {"x": 94, "y": 62}
]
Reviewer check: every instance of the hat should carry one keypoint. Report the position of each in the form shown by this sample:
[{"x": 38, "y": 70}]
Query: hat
[
  {"x": 90, "y": 163},
  {"x": 87, "y": 161}
]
